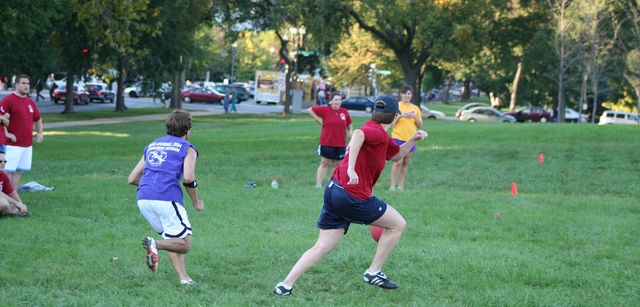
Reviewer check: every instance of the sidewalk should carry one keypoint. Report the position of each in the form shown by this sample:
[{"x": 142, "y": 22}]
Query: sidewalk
[{"x": 116, "y": 120}]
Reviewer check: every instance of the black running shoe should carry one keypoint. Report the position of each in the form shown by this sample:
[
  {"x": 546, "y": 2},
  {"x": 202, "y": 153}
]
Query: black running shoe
[
  {"x": 379, "y": 279},
  {"x": 279, "y": 289}
]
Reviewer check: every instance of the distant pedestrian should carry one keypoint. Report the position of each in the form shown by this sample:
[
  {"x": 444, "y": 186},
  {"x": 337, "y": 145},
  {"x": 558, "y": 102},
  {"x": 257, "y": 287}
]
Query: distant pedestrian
[
  {"x": 157, "y": 176},
  {"x": 227, "y": 100},
  {"x": 234, "y": 100},
  {"x": 321, "y": 94},
  {"x": 39, "y": 88}
]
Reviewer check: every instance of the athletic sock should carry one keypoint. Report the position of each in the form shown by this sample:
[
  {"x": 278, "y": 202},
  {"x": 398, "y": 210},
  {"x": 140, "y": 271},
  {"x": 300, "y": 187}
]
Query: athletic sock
[
  {"x": 281, "y": 284},
  {"x": 374, "y": 273}
]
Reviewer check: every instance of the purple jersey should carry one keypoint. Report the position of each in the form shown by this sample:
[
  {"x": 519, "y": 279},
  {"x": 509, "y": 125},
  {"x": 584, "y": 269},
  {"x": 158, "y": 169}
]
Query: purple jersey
[{"x": 163, "y": 164}]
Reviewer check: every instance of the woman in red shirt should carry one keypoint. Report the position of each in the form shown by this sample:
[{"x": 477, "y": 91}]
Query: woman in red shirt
[{"x": 334, "y": 121}]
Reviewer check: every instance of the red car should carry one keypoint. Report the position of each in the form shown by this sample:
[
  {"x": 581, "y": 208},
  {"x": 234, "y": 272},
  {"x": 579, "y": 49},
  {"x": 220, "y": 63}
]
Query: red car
[
  {"x": 531, "y": 114},
  {"x": 60, "y": 94},
  {"x": 201, "y": 94}
]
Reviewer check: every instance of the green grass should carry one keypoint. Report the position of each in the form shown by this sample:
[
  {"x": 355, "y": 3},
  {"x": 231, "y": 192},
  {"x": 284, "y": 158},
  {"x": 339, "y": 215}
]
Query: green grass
[
  {"x": 88, "y": 115},
  {"x": 568, "y": 238}
]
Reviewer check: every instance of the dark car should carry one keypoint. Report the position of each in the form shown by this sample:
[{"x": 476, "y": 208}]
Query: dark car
[
  {"x": 531, "y": 114},
  {"x": 201, "y": 94},
  {"x": 240, "y": 90},
  {"x": 359, "y": 103},
  {"x": 100, "y": 92},
  {"x": 78, "y": 96}
]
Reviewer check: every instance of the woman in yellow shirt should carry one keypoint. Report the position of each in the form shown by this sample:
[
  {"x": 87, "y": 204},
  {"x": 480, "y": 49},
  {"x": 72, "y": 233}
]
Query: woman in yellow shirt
[{"x": 406, "y": 126}]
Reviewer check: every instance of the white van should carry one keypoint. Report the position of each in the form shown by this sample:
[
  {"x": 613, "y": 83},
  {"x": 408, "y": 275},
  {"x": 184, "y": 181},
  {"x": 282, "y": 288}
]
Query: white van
[{"x": 615, "y": 117}]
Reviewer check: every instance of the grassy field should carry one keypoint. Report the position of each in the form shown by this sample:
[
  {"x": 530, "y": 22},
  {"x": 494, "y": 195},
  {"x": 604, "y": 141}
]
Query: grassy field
[
  {"x": 568, "y": 238},
  {"x": 89, "y": 115}
]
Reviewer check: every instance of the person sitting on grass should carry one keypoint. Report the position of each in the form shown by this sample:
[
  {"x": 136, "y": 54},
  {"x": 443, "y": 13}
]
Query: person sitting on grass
[
  {"x": 10, "y": 202},
  {"x": 348, "y": 199},
  {"x": 157, "y": 176}
]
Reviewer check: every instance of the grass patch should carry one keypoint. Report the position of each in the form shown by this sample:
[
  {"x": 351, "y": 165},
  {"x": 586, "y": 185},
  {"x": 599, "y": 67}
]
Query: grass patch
[
  {"x": 568, "y": 238},
  {"x": 88, "y": 115}
]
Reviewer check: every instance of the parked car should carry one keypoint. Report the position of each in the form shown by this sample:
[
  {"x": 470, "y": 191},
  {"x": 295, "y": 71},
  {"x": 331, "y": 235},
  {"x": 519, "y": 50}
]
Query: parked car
[
  {"x": 78, "y": 95},
  {"x": 359, "y": 103},
  {"x": 431, "y": 114},
  {"x": 201, "y": 94},
  {"x": 531, "y": 114},
  {"x": 240, "y": 90},
  {"x": 100, "y": 92},
  {"x": 615, "y": 117},
  {"x": 571, "y": 116},
  {"x": 485, "y": 114},
  {"x": 469, "y": 106}
]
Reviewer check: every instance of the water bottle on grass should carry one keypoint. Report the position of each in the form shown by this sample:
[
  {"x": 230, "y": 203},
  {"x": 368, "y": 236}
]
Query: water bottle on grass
[{"x": 274, "y": 184}]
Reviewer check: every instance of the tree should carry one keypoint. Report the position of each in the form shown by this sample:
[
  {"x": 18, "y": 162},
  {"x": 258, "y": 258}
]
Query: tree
[
  {"x": 117, "y": 27},
  {"x": 633, "y": 73}
]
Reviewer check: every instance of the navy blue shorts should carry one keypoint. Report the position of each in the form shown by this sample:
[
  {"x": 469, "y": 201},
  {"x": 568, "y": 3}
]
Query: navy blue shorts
[
  {"x": 333, "y": 153},
  {"x": 341, "y": 208}
]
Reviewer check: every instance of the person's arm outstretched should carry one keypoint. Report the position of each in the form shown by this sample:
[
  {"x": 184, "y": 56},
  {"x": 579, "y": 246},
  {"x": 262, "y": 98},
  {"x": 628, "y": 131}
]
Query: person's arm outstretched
[
  {"x": 357, "y": 138},
  {"x": 189, "y": 180},
  {"x": 406, "y": 146}
]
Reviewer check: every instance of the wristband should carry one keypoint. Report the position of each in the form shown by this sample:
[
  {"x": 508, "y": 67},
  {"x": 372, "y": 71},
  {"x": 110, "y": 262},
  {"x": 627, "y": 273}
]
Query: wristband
[{"x": 192, "y": 184}]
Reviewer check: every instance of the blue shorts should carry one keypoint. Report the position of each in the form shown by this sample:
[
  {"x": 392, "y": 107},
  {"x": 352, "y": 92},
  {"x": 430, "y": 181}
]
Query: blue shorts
[
  {"x": 341, "y": 208},
  {"x": 333, "y": 153},
  {"x": 402, "y": 142}
]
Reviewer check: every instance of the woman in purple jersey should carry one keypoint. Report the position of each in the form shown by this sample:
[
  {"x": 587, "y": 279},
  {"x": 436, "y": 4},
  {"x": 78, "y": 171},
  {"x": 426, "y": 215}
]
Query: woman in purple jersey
[{"x": 157, "y": 174}]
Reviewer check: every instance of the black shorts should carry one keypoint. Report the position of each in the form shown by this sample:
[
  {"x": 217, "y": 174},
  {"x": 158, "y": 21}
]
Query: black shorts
[
  {"x": 333, "y": 153},
  {"x": 341, "y": 208}
]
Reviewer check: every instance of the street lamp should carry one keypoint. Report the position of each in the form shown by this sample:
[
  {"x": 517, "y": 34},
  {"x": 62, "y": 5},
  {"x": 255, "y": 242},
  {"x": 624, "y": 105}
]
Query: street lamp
[{"x": 233, "y": 60}]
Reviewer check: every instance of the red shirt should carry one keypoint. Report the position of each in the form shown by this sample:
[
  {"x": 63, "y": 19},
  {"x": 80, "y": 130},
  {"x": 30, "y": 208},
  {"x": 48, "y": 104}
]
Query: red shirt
[
  {"x": 377, "y": 148},
  {"x": 5, "y": 184},
  {"x": 23, "y": 114},
  {"x": 334, "y": 125}
]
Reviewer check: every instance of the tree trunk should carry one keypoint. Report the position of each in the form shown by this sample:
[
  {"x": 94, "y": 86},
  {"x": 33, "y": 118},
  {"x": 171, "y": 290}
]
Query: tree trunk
[
  {"x": 175, "y": 91},
  {"x": 120, "y": 107},
  {"x": 561, "y": 103},
  {"x": 583, "y": 95},
  {"x": 445, "y": 99},
  {"x": 514, "y": 90},
  {"x": 287, "y": 89},
  {"x": 595, "y": 99},
  {"x": 638, "y": 99},
  {"x": 68, "y": 99},
  {"x": 411, "y": 73}
]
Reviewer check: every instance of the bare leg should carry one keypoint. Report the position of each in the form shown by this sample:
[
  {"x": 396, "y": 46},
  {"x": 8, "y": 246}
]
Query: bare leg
[
  {"x": 7, "y": 208},
  {"x": 393, "y": 224},
  {"x": 327, "y": 240},
  {"x": 15, "y": 178},
  {"x": 322, "y": 169},
  {"x": 177, "y": 260},
  {"x": 402, "y": 174},
  {"x": 395, "y": 171},
  {"x": 177, "y": 248}
]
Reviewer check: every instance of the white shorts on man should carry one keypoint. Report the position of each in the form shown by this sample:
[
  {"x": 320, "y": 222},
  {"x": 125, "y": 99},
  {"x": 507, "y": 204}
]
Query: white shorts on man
[
  {"x": 18, "y": 158},
  {"x": 169, "y": 219}
]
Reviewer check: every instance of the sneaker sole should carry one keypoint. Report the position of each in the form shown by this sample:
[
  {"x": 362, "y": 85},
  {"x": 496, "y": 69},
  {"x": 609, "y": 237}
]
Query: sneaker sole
[{"x": 152, "y": 258}]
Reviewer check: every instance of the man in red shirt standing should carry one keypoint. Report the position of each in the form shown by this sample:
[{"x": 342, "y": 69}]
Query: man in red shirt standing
[
  {"x": 23, "y": 114},
  {"x": 348, "y": 199}
]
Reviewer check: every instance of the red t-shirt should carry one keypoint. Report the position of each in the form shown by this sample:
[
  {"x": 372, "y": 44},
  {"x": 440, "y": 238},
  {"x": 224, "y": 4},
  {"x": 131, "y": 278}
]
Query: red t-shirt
[
  {"x": 23, "y": 114},
  {"x": 334, "y": 125},
  {"x": 5, "y": 184},
  {"x": 377, "y": 148}
]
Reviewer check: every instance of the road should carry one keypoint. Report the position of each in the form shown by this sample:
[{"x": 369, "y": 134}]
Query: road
[{"x": 249, "y": 106}]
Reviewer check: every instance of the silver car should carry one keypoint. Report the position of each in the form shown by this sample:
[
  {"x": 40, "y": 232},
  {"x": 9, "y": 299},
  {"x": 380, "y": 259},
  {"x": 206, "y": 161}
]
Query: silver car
[
  {"x": 485, "y": 114},
  {"x": 430, "y": 114}
]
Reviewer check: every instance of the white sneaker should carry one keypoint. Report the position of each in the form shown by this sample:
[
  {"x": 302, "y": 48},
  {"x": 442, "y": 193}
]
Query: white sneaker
[
  {"x": 392, "y": 189},
  {"x": 400, "y": 188},
  {"x": 187, "y": 282},
  {"x": 318, "y": 186}
]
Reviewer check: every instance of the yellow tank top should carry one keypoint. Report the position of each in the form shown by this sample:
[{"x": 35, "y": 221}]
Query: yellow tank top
[{"x": 405, "y": 127}]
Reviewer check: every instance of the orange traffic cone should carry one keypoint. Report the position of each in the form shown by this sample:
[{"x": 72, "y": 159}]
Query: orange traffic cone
[
  {"x": 514, "y": 189},
  {"x": 541, "y": 159},
  {"x": 283, "y": 114}
]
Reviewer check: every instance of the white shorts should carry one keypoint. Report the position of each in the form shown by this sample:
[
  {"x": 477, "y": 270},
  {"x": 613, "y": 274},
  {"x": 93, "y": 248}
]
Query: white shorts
[
  {"x": 18, "y": 158},
  {"x": 169, "y": 219}
]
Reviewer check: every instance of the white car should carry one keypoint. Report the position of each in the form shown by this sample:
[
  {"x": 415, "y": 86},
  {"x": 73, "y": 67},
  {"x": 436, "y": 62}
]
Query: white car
[
  {"x": 615, "y": 117},
  {"x": 571, "y": 116},
  {"x": 431, "y": 114},
  {"x": 485, "y": 114}
]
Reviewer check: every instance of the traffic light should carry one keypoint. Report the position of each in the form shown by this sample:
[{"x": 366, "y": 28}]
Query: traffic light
[
  {"x": 370, "y": 75},
  {"x": 283, "y": 64}
]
